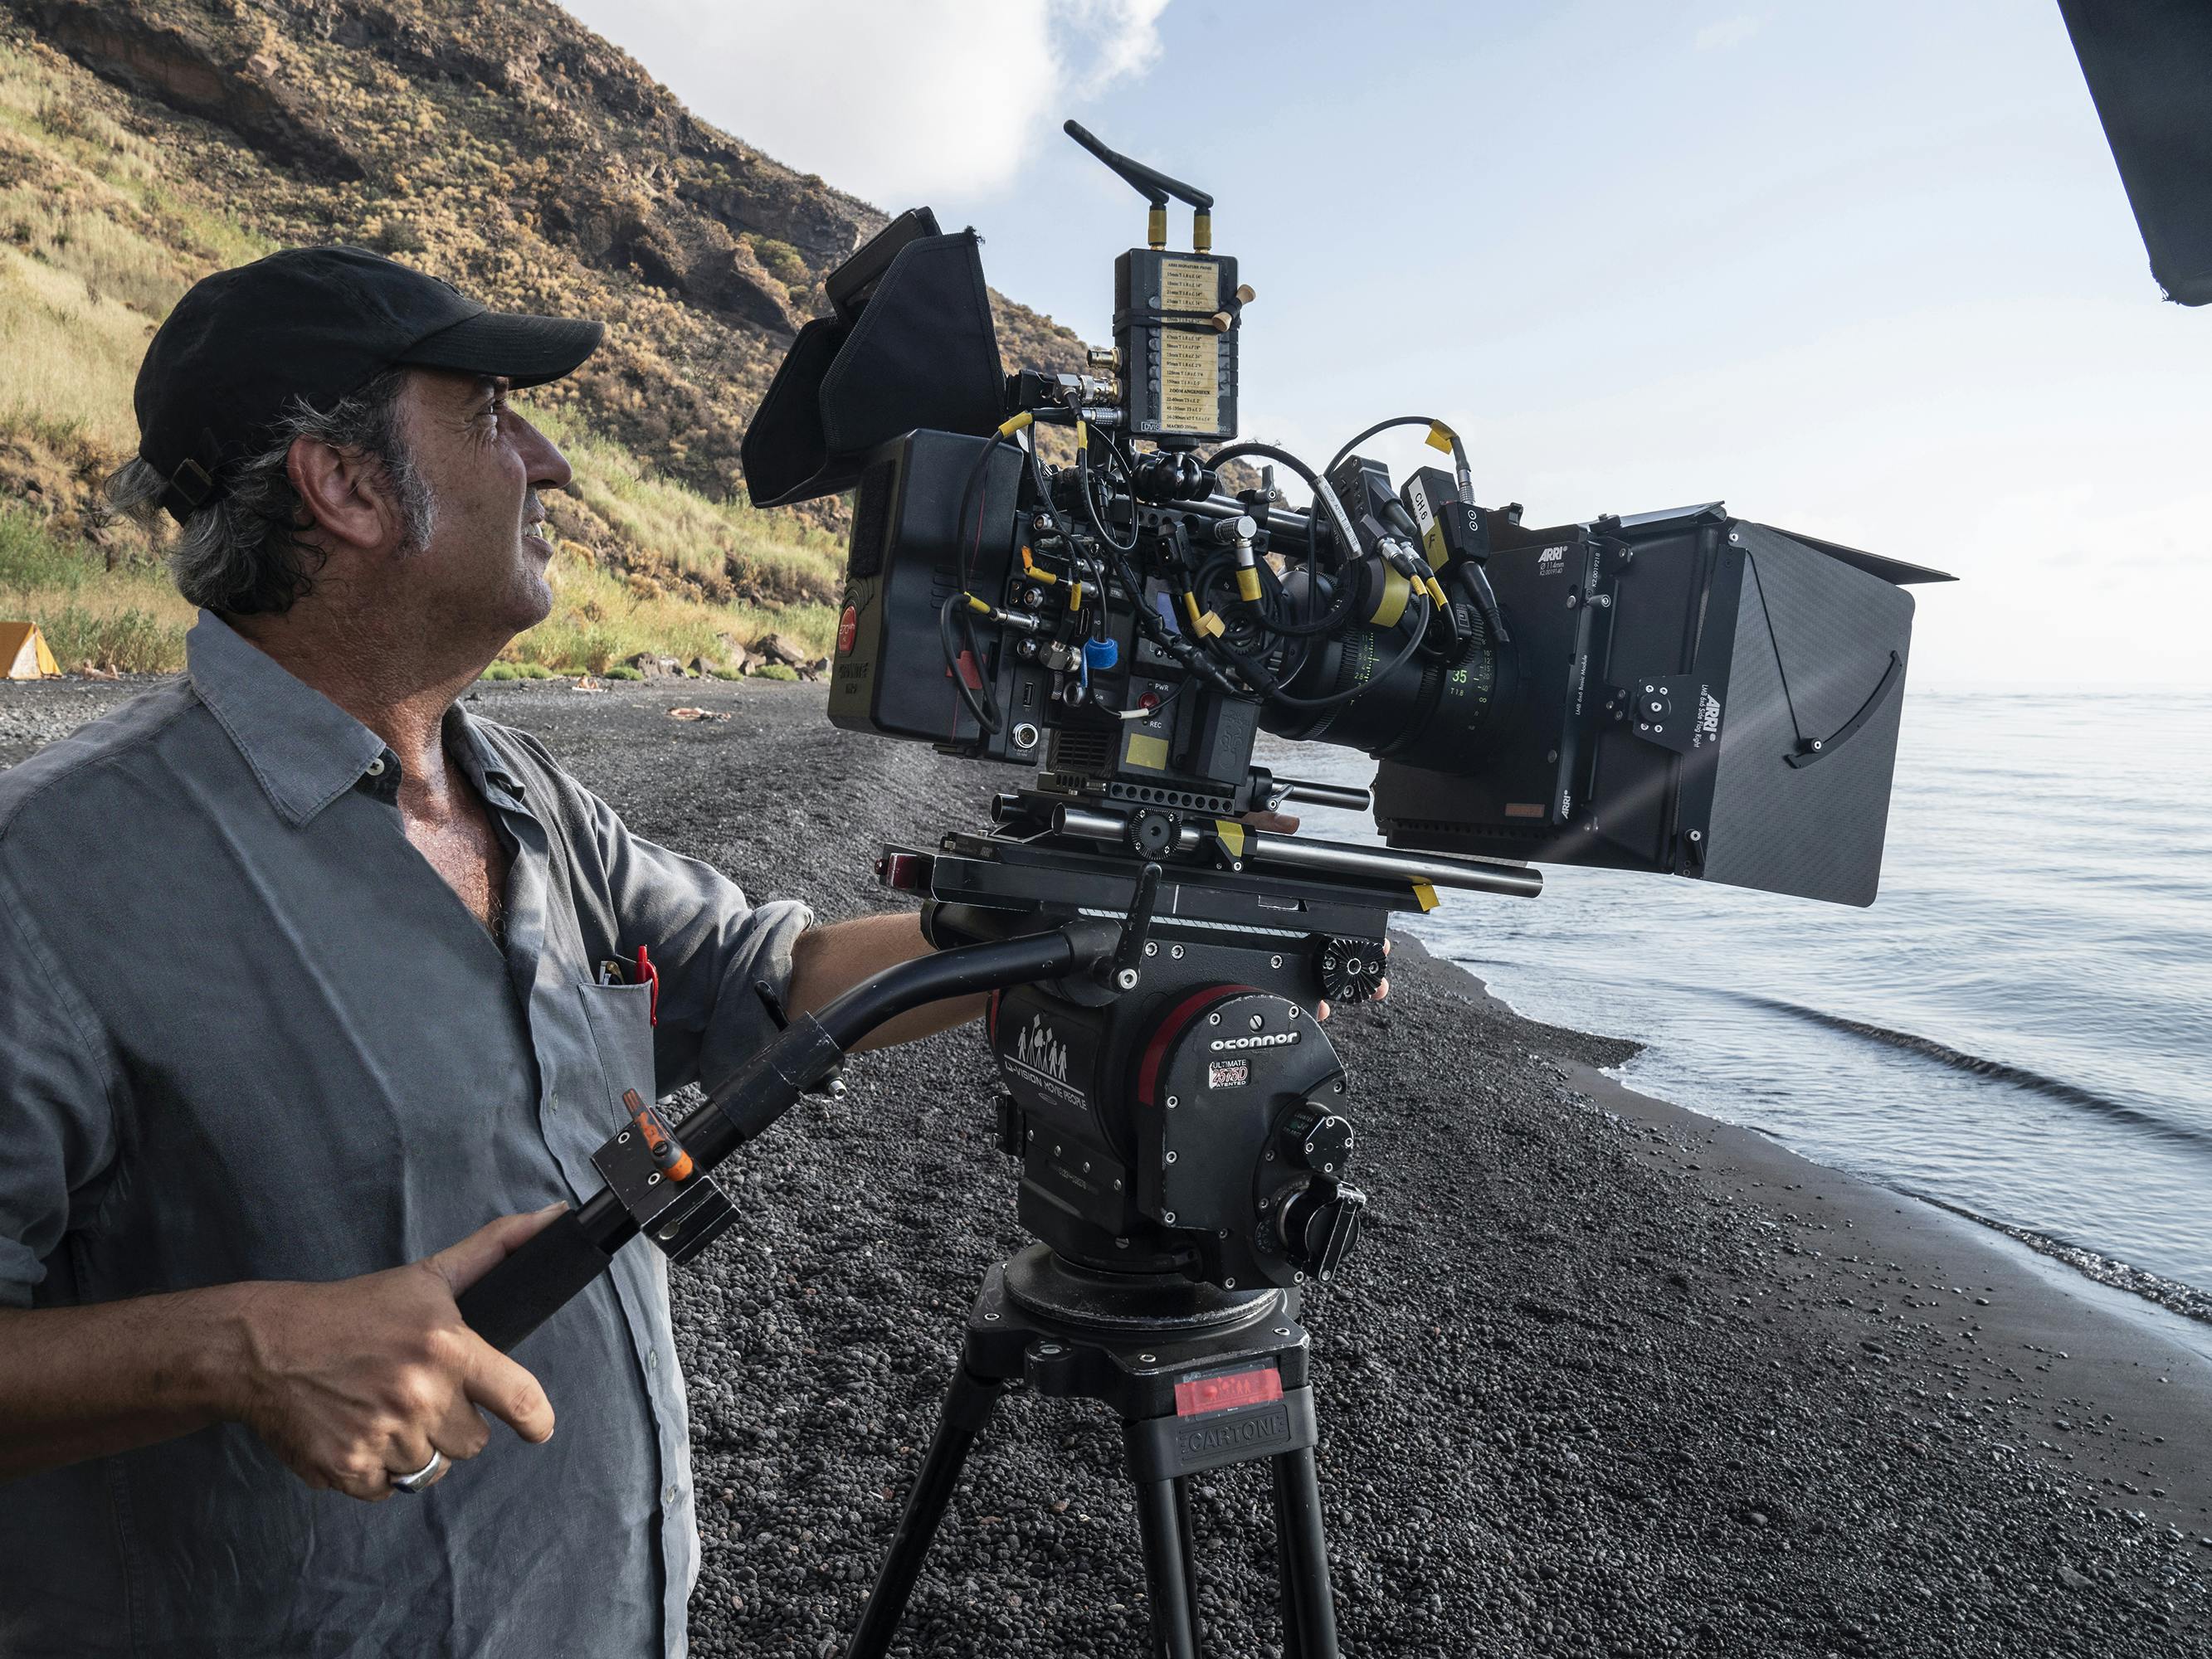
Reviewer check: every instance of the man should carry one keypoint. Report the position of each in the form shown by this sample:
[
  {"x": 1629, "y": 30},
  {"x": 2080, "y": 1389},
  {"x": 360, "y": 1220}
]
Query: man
[{"x": 306, "y": 979}]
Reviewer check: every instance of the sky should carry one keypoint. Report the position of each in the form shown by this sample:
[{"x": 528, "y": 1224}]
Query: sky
[{"x": 1866, "y": 271}]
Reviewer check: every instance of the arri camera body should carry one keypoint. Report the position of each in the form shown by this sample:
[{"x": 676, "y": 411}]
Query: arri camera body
[{"x": 1079, "y": 571}]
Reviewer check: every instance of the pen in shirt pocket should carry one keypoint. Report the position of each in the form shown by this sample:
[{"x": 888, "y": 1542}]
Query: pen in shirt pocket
[{"x": 615, "y": 971}]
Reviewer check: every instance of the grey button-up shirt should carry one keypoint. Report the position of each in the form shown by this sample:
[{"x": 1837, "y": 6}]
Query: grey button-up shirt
[{"x": 247, "y": 1032}]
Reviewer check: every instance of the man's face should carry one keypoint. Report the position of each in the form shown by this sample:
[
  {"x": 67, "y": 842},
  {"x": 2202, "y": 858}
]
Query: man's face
[{"x": 482, "y": 572}]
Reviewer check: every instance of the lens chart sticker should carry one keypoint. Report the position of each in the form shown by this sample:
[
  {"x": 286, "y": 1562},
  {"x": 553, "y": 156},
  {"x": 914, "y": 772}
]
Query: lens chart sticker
[
  {"x": 1190, "y": 285},
  {"x": 1190, "y": 380}
]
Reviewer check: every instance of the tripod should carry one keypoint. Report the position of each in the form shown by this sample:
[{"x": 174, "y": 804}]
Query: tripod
[{"x": 1200, "y": 1378}]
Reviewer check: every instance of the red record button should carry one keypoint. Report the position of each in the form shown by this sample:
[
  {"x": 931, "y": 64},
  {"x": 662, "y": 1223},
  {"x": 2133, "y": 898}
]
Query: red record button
[
  {"x": 1220, "y": 1393},
  {"x": 849, "y": 629}
]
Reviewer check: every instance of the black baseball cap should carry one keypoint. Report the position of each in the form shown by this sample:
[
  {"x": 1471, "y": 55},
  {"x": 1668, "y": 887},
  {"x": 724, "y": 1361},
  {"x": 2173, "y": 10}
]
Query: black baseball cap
[{"x": 315, "y": 324}]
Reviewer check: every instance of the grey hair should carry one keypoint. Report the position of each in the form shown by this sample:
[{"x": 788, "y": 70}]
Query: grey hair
[{"x": 242, "y": 554}]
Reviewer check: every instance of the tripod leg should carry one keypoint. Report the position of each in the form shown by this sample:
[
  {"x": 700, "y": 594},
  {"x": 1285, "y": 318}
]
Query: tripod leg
[
  {"x": 1294, "y": 1646},
  {"x": 967, "y": 1408},
  {"x": 1167, "y": 1570},
  {"x": 1309, "y": 1608},
  {"x": 1189, "y": 1561}
]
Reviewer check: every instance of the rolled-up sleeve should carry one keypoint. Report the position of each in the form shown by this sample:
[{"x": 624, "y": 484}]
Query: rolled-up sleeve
[
  {"x": 711, "y": 946},
  {"x": 57, "y": 1126}
]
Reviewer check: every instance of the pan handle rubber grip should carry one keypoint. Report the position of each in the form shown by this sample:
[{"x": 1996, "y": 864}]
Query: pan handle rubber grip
[{"x": 529, "y": 1287}]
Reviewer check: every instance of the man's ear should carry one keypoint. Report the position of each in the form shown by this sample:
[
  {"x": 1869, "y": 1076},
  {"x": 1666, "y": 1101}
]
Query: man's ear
[{"x": 347, "y": 495}]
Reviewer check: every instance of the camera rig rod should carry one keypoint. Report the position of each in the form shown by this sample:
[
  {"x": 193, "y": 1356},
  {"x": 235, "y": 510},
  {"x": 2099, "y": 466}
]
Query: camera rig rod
[
  {"x": 1330, "y": 858},
  {"x": 561, "y": 1260}
]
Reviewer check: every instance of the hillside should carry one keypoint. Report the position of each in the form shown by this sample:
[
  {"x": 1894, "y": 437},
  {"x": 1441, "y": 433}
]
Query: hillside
[{"x": 145, "y": 143}]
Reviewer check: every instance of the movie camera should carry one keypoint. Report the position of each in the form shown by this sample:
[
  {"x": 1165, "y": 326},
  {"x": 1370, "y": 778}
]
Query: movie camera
[{"x": 1121, "y": 608}]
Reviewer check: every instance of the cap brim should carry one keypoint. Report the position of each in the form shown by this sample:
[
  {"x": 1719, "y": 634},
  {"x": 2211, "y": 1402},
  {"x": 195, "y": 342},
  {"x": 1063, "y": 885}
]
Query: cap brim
[{"x": 525, "y": 350}]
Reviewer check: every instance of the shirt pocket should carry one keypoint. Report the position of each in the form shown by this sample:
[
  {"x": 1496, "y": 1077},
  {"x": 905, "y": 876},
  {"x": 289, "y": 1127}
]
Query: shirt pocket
[{"x": 620, "y": 1020}]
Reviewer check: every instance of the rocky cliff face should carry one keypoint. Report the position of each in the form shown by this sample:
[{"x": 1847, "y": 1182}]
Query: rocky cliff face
[{"x": 512, "y": 151}]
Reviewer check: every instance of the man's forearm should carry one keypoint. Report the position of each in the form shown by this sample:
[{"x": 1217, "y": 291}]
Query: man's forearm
[
  {"x": 349, "y": 1382},
  {"x": 79, "y": 1383},
  {"x": 827, "y": 962}
]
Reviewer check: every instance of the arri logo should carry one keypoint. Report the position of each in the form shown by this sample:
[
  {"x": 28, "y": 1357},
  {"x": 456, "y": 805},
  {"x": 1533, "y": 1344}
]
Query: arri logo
[
  {"x": 1552, "y": 560},
  {"x": 1709, "y": 715},
  {"x": 1040, "y": 1050}
]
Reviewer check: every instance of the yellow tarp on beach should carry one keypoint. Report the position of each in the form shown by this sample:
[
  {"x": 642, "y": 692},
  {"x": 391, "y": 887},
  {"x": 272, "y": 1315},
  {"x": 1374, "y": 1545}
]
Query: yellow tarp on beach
[{"x": 23, "y": 653}]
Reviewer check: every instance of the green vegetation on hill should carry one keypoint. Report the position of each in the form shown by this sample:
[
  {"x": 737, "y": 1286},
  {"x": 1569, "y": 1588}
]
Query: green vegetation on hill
[{"x": 146, "y": 142}]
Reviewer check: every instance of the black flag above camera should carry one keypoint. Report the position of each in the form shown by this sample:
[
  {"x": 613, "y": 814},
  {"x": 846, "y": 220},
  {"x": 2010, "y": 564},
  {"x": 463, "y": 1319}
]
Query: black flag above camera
[{"x": 910, "y": 343}]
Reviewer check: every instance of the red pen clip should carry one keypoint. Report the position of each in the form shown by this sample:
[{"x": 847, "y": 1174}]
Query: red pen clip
[{"x": 649, "y": 974}]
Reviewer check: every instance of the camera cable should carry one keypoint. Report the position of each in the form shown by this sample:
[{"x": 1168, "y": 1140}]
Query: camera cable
[
  {"x": 1347, "y": 541},
  {"x": 1436, "y": 429}
]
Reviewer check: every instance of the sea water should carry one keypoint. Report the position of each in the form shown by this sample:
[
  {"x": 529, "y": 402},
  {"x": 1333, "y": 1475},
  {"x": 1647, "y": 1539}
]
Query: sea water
[{"x": 2021, "y": 1025}]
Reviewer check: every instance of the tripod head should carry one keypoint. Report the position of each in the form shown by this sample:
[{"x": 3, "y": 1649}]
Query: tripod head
[{"x": 1180, "y": 1110}]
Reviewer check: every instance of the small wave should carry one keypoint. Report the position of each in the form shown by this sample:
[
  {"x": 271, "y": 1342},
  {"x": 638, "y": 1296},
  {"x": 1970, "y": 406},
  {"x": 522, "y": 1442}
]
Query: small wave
[
  {"x": 2168, "y": 1293},
  {"x": 1996, "y": 1070}
]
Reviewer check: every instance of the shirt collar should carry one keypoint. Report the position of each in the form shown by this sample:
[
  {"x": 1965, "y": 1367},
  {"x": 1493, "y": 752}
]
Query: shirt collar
[
  {"x": 304, "y": 749},
  {"x": 479, "y": 759}
]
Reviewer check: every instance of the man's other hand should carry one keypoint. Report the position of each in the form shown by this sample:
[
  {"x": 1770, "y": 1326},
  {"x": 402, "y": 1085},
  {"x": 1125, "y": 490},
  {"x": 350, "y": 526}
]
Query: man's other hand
[{"x": 354, "y": 1382}]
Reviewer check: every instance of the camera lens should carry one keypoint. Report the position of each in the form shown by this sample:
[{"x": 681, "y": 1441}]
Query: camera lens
[{"x": 1436, "y": 714}]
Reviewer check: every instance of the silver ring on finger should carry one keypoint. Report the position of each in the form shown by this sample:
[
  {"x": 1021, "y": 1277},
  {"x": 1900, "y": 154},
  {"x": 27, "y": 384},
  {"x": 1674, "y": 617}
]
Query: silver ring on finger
[{"x": 425, "y": 1478}]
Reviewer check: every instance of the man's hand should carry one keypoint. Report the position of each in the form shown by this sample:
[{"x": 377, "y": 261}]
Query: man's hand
[{"x": 354, "y": 1382}]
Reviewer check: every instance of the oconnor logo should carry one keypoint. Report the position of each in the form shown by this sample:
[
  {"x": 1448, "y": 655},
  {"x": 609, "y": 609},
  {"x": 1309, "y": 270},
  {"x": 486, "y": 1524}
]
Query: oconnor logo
[
  {"x": 1039, "y": 1050},
  {"x": 1264, "y": 1040}
]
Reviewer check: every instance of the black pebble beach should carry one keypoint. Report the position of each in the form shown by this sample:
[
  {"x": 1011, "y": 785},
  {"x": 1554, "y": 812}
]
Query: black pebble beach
[{"x": 1601, "y": 1379}]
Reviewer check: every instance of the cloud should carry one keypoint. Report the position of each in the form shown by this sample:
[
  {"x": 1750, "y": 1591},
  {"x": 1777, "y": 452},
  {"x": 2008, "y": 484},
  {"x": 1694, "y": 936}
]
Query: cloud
[
  {"x": 1729, "y": 31},
  {"x": 895, "y": 103}
]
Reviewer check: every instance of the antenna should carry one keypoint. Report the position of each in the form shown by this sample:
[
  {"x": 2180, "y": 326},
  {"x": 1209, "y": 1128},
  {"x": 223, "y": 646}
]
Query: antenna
[{"x": 1155, "y": 187}]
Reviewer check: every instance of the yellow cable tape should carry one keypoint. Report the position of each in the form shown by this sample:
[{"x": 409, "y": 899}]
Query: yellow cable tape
[
  {"x": 1396, "y": 590},
  {"x": 1232, "y": 836},
  {"x": 1248, "y": 586},
  {"x": 1440, "y": 436}
]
